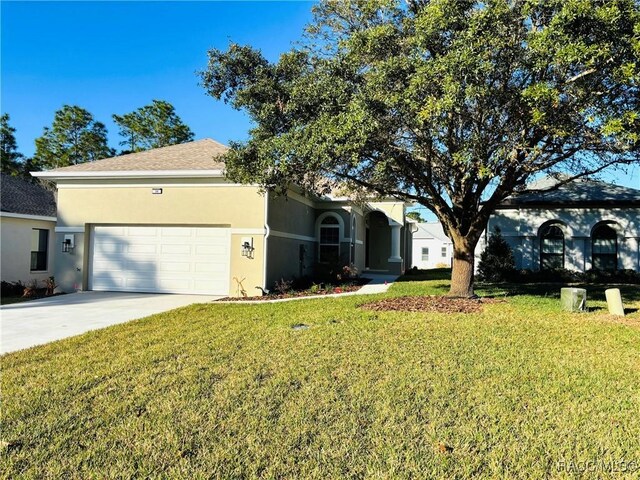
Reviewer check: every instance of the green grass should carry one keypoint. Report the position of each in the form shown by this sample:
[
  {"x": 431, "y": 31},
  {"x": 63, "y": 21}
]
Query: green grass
[
  {"x": 231, "y": 391},
  {"x": 9, "y": 299}
]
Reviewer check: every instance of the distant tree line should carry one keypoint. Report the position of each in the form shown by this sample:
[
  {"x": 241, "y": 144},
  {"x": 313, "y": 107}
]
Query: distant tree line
[{"x": 75, "y": 137}]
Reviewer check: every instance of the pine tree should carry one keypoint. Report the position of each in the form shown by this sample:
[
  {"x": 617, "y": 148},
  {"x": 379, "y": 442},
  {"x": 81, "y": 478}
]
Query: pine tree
[
  {"x": 10, "y": 158},
  {"x": 496, "y": 261},
  {"x": 74, "y": 137},
  {"x": 152, "y": 126}
]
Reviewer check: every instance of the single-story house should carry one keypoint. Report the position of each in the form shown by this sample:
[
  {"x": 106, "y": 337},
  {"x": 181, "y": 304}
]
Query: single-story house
[
  {"x": 27, "y": 222},
  {"x": 431, "y": 248},
  {"x": 582, "y": 225},
  {"x": 167, "y": 220}
]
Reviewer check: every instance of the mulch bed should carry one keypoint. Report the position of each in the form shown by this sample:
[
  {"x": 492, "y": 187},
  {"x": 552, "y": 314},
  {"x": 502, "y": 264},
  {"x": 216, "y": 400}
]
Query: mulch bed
[
  {"x": 300, "y": 293},
  {"x": 430, "y": 304}
]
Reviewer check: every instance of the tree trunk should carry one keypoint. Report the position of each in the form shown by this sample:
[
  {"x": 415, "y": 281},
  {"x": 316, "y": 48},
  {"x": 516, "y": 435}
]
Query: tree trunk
[{"x": 462, "y": 273}]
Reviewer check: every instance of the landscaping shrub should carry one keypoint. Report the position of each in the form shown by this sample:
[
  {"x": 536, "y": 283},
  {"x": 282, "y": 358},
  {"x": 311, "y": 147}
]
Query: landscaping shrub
[
  {"x": 11, "y": 289},
  {"x": 283, "y": 286},
  {"x": 562, "y": 275},
  {"x": 496, "y": 261}
]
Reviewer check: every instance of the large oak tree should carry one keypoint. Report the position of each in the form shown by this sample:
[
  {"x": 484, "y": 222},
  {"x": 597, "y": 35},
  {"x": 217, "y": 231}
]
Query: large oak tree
[{"x": 453, "y": 104}]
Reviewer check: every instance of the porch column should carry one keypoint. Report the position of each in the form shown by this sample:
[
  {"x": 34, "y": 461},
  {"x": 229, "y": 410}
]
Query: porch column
[{"x": 395, "y": 243}]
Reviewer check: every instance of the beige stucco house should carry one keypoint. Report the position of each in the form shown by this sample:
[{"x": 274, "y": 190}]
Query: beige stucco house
[
  {"x": 27, "y": 222},
  {"x": 167, "y": 220}
]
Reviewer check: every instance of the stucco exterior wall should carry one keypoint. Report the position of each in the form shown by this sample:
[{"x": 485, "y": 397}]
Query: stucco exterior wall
[
  {"x": 289, "y": 215},
  {"x": 15, "y": 245},
  {"x": 285, "y": 260},
  {"x": 131, "y": 202},
  {"x": 521, "y": 228},
  {"x": 435, "y": 247},
  {"x": 186, "y": 204},
  {"x": 392, "y": 209}
]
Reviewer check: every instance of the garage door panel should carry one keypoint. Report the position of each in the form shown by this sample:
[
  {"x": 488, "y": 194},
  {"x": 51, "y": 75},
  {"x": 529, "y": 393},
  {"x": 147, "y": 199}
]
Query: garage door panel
[
  {"x": 211, "y": 250},
  {"x": 141, "y": 248},
  {"x": 109, "y": 248},
  {"x": 176, "y": 249},
  {"x": 175, "y": 267},
  {"x": 140, "y": 282},
  {"x": 161, "y": 259},
  {"x": 176, "y": 232},
  {"x": 142, "y": 232},
  {"x": 105, "y": 281},
  {"x": 106, "y": 232}
]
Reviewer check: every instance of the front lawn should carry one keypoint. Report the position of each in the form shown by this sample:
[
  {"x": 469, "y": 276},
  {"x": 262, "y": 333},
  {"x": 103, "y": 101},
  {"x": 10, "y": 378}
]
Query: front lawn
[{"x": 520, "y": 390}]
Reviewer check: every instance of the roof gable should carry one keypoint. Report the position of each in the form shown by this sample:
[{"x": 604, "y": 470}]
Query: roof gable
[
  {"x": 576, "y": 193},
  {"x": 199, "y": 155},
  {"x": 431, "y": 230}
]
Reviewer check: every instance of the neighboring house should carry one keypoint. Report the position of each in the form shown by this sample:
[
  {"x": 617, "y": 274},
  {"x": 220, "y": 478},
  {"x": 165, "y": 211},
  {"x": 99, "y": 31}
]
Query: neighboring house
[
  {"x": 167, "y": 220},
  {"x": 582, "y": 225},
  {"x": 431, "y": 246},
  {"x": 27, "y": 221}
]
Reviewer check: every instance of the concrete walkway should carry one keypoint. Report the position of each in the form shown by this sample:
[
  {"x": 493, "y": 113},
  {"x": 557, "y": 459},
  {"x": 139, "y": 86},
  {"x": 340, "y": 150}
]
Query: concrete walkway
[
  {"x": 377, "y": 284},
  {"x": 26, "y": 324}
]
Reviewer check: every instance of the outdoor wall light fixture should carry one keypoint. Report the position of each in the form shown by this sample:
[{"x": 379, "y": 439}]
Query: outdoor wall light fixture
[
  {"x": 247, "y": 247},
  {"x": 68, "y": 243}
]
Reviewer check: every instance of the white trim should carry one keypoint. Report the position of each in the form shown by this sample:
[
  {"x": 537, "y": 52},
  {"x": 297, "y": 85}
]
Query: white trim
[
  {"x": 151, "y": 185},
  {"x": 302, "y": 199},
  {"x": 359, "y": 242},
  {"x": 338, "y": 217},
  {"x": 28, "y": 217},
  {"x": 293, "y": 236},
  {"x": 69, "y": 230},
  {"x": 266, "y": 237},
  {"x": 130, "y": 174},
  {"x": 248, "y": 231}
]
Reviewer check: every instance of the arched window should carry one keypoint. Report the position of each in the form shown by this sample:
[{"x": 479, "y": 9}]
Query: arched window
[
  {"x": 329, "y": 240},
  {"x": 604, "y": 248},
  {"x": 551, "y": 248}
]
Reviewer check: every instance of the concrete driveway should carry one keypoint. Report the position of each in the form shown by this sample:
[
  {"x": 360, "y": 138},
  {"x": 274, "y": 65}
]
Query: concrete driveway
[{"x": 26, "y": 324}]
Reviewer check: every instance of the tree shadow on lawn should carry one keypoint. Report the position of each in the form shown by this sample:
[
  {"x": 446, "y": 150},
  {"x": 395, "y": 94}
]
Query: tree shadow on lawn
[
  {"x": 425, "y": 275},
  {"x": 595, "y": 291}
]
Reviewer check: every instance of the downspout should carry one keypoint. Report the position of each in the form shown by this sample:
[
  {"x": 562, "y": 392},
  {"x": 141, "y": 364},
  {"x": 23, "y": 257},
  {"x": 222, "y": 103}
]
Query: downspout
[{"x": 266, "y": 236}]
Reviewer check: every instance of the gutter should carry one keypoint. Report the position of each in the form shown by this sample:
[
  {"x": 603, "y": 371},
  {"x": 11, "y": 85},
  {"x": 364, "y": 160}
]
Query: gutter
[
  {"x": 266, "y": 237},
  {"x": 57, "y": 175}
]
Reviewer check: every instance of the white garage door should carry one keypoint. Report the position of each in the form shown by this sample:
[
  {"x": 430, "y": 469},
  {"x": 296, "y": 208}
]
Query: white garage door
[{"x": 161, "y": 259}]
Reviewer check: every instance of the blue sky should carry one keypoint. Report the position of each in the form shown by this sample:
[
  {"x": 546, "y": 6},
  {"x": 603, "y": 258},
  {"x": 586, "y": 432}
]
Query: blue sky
[{"x": 113, "y": 57}]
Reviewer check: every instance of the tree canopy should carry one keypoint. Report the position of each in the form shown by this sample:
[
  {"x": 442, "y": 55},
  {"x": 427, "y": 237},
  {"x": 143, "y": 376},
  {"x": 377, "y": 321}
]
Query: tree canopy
[
  {"x": 10, "y": 158},
  {"x": 152, "y": 126},
  {"x": 415, "y": 215},
  {"x": 74, "y": 137},
  {"x": 453, "y": 104}
]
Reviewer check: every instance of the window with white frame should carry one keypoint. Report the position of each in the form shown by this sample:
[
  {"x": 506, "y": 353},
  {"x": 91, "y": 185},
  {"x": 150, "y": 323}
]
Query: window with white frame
[
  {"x": 329, "y": 240},
  {"x": 551, "y": 248},
  {"x": 444, "y": 252},
  {"x": 604, "y": 248},
  {"x": 39, "y": 246},
  {"x": 425, "y": 254}
]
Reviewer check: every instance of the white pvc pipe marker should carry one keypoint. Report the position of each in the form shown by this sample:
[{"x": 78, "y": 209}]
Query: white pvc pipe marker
[{"x": 614, "y": 301}]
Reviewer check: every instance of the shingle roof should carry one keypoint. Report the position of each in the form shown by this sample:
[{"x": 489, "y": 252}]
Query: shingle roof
[
  {"x": 431, "y": 230},
  {"x": 578, "y": 192},
  {"x": 197, "y": 155},
  {"x": 19, "y": 196}
]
